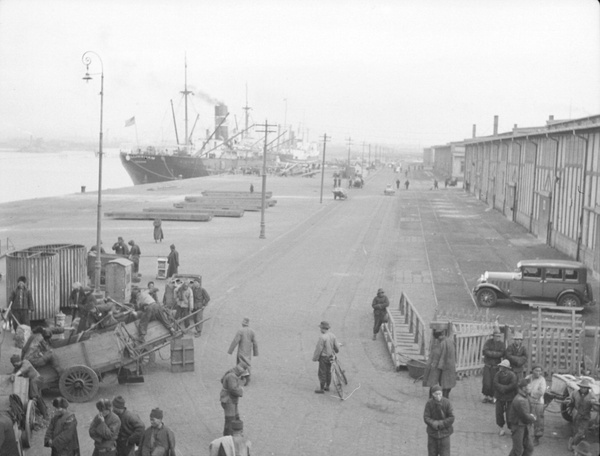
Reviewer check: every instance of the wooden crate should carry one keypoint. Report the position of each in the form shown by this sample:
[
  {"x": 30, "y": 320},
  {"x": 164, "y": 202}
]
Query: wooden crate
[{"x": 182, "y": 355}]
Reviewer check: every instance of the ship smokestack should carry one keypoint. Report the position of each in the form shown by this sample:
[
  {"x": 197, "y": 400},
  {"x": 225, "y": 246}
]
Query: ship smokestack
[
  {"x": 551, "y": 118},
  {"x": 474, "y": 131},
  {"x": 222, "y": 132},
  {"x": 495, "y": 125}
]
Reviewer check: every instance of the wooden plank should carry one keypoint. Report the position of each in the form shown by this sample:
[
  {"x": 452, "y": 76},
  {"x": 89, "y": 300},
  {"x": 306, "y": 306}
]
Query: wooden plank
[
  {"x": 216, "y": 212},
  {"x": 178, "y": 216}
]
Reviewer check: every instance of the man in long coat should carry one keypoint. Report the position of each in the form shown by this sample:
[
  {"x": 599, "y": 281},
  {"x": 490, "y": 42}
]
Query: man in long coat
[
  {"x": 439, "y": 417},
  {"x": 245, "y": 341},
  {"x": 61, "y": 434},
  {"x": 380, "y": 304},
  {"x": 505, "y": 389},
  {"x": 521, "y": 418},
  {"x": 493, "y": 352},
  {"x": 173, "y": 261},
  {"x": 441, "y": 366},
  {"x": 131, "y": 430},
  {"x": 20, "y": 303},
  {"x": 230, "y": 394},
  {"x": 516, "y": 353}
]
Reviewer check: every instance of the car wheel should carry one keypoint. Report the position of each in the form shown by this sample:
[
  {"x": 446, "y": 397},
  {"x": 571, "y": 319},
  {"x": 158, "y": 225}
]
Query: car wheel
[
  {"x": 487, "y": 297},
  {"x": 569, "y": 300}
]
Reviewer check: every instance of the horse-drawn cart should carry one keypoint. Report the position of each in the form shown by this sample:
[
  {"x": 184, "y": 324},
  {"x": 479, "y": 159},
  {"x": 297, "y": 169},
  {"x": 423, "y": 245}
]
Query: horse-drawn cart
[{"x": 122, "y": 351}]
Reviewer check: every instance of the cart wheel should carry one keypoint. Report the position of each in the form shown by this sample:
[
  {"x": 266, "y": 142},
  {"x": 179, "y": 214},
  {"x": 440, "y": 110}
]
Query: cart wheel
[
  {"x": 27, "y": 434},
  {"x": 565, "y": 412},
  {"x": 78, "y": 383}
]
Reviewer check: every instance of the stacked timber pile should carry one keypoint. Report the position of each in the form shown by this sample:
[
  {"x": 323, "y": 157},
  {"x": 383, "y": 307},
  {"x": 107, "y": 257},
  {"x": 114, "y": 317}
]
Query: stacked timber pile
[{"x": 201, "y": 208}]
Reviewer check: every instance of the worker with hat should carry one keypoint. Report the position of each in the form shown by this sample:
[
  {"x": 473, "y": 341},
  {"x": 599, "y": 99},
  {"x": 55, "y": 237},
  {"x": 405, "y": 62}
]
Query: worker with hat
[
  {"x": 493, "y": 352},
  {"x": 380, "y": 304},
  {"x": 516, "y": 353},
  {"x": 580, "y": 404},
  {"x": 131, "y": 430},
  {"x": 120, "y": 247},
  {"x": 104, "y": 429},
  {"x": 86, "y": 310},
  {"x": 172, "y": 261},
  {"x": 245, "y": 341},
  {"x": 441, "y": 363},
  {"x": 234, "y": 444},
  {"x": 505, "y": 390},
  {"x": 230, "y": 394},
  {"x": 20, "y": 304},
  {"x": 521, "y": 419},
  {"x": 158, "y": 439},
  {"x": 61, "y": 434},
  {"x": 326, "y": 347},
  {"x": 439, "y": 417},
  {"x": 24, "y": 368},
  {"x": 536, "y": 391}
]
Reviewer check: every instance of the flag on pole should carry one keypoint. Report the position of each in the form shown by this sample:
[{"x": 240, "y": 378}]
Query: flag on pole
[{"x": 130, "y": 122}]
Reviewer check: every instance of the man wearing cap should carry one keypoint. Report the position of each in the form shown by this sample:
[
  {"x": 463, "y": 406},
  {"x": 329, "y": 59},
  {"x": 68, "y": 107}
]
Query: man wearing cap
[
  {"x": 173, "y": 261},
  {"x": 536, "y": 390},
  {"x": 158, "y": 439},
  {"x": 120, "y": 247},
  {"x": 326, "y": 347},
  {"x": 61, "y": 434},
  {"x": 201, "y": 300},
  {"x": 493, "y": 352},
  {"x": 438, "y": 417},
  {"x": 131, "y": 430},
  {"x": 521, "y": 419},
  {"x": 185, "y": 302},
  {"x": 24, "y": 368},
  {"x": 441, "y": 365},
  {"x": 505, "y": 389},
  {"x": 230, "y": 394},
  {"x": 134, "y": 255},
  {"x": 86, "y": 310},
  {"x": 380, "y": 305},
  {"x": 104, "y": 429},
  {"x": 20, "y": 303},
  {"x": 245, "y": 341},
  {"x": 580, "y": 405},
  {"x": 234, "y": 444},
  {"x": 516, "y": 353},
  {"x": 75, "y": 299}
]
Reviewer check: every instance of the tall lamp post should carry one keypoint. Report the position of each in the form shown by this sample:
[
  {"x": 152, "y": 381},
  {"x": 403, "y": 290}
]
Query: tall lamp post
[{"x": 87, "y": 59}]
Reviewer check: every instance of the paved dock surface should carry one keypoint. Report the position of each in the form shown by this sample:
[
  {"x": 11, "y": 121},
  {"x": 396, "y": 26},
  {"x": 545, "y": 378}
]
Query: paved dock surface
[{"x": 318, "y": 262}]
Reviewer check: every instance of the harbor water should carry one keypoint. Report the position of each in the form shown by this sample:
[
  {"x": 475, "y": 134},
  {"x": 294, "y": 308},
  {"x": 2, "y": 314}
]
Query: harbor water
[{"x": 29, "y": 175}]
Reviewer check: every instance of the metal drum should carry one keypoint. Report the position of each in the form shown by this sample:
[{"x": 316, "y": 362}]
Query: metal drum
[
  {"x": 72, "y": 264},
  {"x": 42, "y": 272}
]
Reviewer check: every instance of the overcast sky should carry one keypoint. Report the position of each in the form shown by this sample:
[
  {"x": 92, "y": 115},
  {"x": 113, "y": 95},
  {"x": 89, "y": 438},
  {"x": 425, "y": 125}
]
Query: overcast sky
[{"x": 417, "y": 72}]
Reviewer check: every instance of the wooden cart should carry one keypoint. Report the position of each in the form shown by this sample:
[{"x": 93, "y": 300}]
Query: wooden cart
[
  {"x": 20, "y": 388},
  {"x": 83, "y": 364}
]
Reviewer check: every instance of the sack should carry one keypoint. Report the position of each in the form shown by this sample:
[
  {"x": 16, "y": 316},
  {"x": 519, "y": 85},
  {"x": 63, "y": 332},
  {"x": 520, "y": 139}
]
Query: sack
[{"x": 385, "y": 318}]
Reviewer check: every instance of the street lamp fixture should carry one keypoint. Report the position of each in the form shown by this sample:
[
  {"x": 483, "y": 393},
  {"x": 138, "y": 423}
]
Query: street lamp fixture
[{"x": 87, "y": 59}]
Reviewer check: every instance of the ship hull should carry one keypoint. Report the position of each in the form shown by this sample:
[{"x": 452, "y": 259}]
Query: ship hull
[{"x": 151, "y": 168}]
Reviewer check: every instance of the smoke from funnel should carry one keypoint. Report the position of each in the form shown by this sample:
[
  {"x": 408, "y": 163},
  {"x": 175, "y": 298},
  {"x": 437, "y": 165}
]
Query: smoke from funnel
[{"x": 206, "y": 97}]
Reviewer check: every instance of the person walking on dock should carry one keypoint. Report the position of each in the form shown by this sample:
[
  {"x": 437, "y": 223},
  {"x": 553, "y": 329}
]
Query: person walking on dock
[
  {"x": 120, "y": 247},
  {"x": 20, "y": 303},
  {"x": 158, "y": 232},
  {"x": 406, "y": 184},
  {"x": 173, "y": 261},
  {"x": 398, "y": 184},
  {"x": 441, "y": 366},
  {"x": 230, "y": 394},
  {"x": 439, "y": 417},
  {"x": 245, "y": 341},
  {"x": 493, "y": 352},
  {"x": 380, "y": 305},
  {"x": 326, "y": 346},
  {"x": 134, "y": 256}
]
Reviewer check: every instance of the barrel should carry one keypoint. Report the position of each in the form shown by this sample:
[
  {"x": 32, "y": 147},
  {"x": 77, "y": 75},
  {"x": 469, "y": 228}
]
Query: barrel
[
  {"x": 72, "y": 263},
  {"x": 42, "y": 272}
]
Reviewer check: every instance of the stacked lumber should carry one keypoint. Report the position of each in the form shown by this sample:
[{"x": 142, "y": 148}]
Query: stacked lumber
[
  {"x": 215, "y": 211},
  {"x": 181, "y": 216},
  {"x": 229, "y": 200}
]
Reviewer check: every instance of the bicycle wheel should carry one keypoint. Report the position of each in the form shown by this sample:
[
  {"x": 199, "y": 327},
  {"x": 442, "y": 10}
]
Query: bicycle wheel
[
  {"x": 337, "y": 382},
  {"x": 340, "y": 371}
]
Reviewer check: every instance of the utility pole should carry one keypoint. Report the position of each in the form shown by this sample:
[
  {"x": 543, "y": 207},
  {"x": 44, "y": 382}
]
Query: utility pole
[
  {"x": 325, "y": 139},
  {"x": 264, "y": 180},
  {"x": 369, "y": 154},
  {"x": 349, "y": 142},
  {"x": 362, "y": 159}
]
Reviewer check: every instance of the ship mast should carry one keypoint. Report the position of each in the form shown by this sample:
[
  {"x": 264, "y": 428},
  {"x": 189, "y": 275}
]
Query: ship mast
[
  {"x": 246, "y": 114},
  {"x": 185, "y": 93}
]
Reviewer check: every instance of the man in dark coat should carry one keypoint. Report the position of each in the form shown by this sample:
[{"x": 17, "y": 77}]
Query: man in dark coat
[
  {"x": 61, "y": 434},
  {"x": 76, "y": 299},
  {"x": 580, "y": 403},
  {"x": 380, "y": 304},
  {"x": 493, "y": 352},
  {"x": 158, "y": 232},
  {"x": 134, "y": 256},
  {"x": 441, "y": 366},
  {"x": 520, "y": 420},
  {"x": 158, "y": 439},
  {"x": 516, "y": 353},
  {"x": 439, "y": 418},
  {"x": 120, "y": 247},
  {"x": 246, "y": 344},
  {"x": 173, "y": 261},
  {"x": 86, "y": 310},
  {"x": 20, "y": 303},
  {"x": 230, "y": 394},
  {"x": 8, "y": 440},
  {"x": 104, "y": 429},
  {"x": 201, "y": 300},
  {"x": 131, "y": 430},
  {"x": 505, "y": 389}
]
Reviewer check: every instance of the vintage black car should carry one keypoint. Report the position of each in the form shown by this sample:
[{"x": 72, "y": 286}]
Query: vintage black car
[{"x": 561, "y": 282}]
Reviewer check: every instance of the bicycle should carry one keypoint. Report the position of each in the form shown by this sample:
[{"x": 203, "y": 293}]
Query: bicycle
[{"x": 338, "y": 376}]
